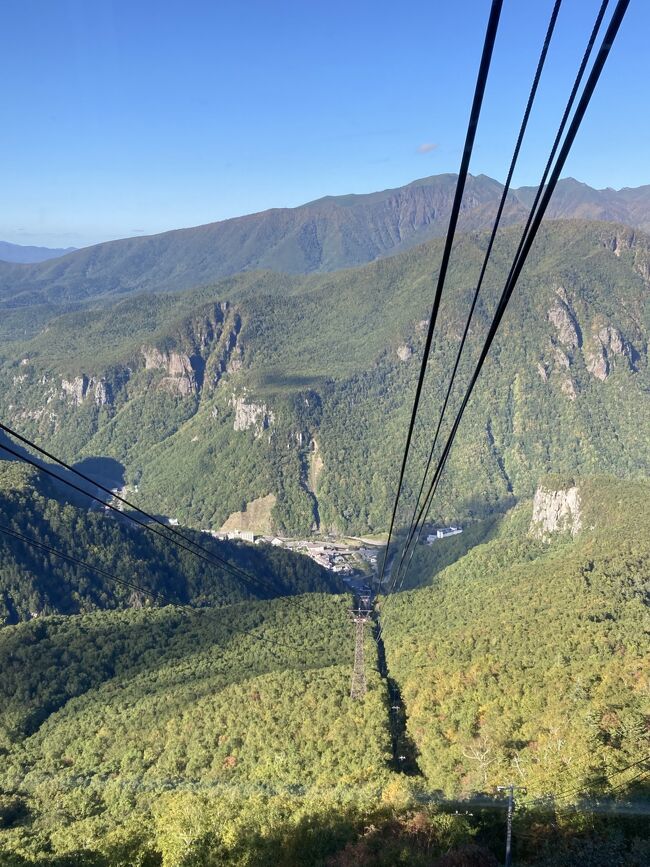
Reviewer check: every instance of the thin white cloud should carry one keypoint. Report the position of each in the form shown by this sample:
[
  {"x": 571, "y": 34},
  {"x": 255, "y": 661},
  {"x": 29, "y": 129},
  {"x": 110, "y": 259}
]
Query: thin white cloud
[{"x": 427, "y": 147}]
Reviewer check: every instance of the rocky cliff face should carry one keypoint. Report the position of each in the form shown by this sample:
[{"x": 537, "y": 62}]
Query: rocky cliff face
[
  {"x": 204, "y": 343},
  {"x": 556, "y": 511},
  {"x": 250, "y": 415},
  {"x": 565, "y": 388},
  {"x": 194, "y": 358},
  {"x": 603, "y": 347},
  {"x": 625, "y": 241},
  {"x": 606, "y": 346},
  {"x": 564, "y": 319},
  {"x": 180, "y": 375},
  {"x": 210, "y": 348},
  {"x": 76, "y": 390}
]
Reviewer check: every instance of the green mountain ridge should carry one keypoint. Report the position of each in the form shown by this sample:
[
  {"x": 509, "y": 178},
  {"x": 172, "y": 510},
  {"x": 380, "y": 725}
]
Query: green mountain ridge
[
  {"x": 28, "y": 254},
  {"x": 528, "y": 654},
  {"x": 155, "y": 737},
  {"x": 213, "y": 398},
  {"x": 326, "y": 235}
]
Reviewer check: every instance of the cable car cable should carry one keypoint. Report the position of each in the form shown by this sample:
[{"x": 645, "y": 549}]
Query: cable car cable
[
  {"x": 484, "y": 67},
  {"x": 211, "y": 559},
  {"x": 486, "y": 258},
  {"x": 182, "y": 606},
  {"x": 529, "y": 237}
]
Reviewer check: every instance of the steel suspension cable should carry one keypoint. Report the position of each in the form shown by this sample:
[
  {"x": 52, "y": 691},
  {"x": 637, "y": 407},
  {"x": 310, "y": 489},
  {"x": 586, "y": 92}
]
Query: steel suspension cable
[
  {"x": 184, "y": 607},
  {"x": 532, "y": 227},
  {"x": 198, "y": 550},
  {"x": 202, "y": 552},
  {"x": 504, "y": 195},
  {"x": 154, "y": 594},
  {"x": 568, "y": 793},
  {"x": 233, "y": 570},
  {"x": 484, "y": 67}
]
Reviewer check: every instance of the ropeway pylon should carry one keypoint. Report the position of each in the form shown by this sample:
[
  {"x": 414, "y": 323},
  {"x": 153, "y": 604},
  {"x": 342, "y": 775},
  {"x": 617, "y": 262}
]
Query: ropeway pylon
[{"x": 360, "y": 617}]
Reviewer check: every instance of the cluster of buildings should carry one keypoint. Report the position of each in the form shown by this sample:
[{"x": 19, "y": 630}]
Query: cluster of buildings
[
  {"x": 329, "y": 555},
  {"x": 336, "y": 556}
]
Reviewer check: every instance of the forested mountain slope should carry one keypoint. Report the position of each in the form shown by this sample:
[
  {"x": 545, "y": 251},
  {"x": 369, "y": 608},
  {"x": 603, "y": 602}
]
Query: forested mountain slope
[
  {"x": 331, "y": 233},
  {"x": 527, "y": 658},
  {"x": 295, "y": 391},
  {"x": 227, "y": 735},
  {"x": 180, "y": 735},
  {"x": 34, "y": 582}
]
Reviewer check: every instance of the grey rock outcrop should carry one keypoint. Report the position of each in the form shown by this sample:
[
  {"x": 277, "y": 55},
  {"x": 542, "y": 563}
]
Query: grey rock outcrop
[
  {"x": 228, "y": 356},
  {"x": 624, "y": 239},
  {"x": 601, "y": 350},
  {"x": 76, "y": 390},
  {"x": 556, "y": 511},
  {"x": 404, "y": 352},
  {"x": 564, "y": 319},
  {"x": 207, "y": 347},
  {"x": 181, "y": 377},
  {"x": 103, "y": 393},
  {"x": 249, "y": 415}
]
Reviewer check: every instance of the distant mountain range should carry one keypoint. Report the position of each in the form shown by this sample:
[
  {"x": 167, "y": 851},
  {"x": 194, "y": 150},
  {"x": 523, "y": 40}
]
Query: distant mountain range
[
  {"x": 30, "y": 255},
  {"x": 325, "y": 235}
]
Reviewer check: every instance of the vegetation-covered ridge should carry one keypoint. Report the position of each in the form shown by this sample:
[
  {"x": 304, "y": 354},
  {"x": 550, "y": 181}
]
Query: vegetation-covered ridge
[
  {"x": 527, "y": 659},
  {"x": 28, "y": 254},
  {"x": 331, "y": 233},
  {"x": 34, "y": 582},
  {"x": 300, "y": 388},
  {"x": 228, "y": 736},
  {"x": 136, "y": 727}
]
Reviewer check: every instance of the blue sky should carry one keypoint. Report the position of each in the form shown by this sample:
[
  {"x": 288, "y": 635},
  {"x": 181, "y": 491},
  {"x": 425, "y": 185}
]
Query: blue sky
[{"x": 123, "y": 118}]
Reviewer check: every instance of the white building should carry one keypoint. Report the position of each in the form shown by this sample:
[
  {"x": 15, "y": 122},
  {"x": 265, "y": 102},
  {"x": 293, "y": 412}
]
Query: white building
[{"x": 443, "y": 534}]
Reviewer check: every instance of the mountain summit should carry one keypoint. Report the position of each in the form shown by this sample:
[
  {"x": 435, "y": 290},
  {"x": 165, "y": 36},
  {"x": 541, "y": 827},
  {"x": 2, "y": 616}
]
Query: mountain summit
[{"x": 325, "y": 235}]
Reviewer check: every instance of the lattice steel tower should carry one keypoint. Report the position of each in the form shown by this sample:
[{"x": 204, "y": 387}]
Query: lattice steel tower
[{"x": 360, "y": 616}]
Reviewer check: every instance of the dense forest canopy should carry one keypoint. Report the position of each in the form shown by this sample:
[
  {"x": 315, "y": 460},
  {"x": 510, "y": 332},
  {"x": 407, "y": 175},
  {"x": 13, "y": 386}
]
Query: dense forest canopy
[
  {"x": 528, "y": 655},
  {"x": 166, "y": 736},
  {"x": 118, "y": 720}
]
